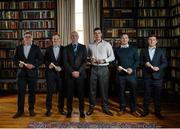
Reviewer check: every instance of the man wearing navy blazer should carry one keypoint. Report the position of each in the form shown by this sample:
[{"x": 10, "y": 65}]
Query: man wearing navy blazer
[
  {"x": 154, "y": 62},
  {"x": 127, "y": 61},
  {"x": 54, "y": 74},
  {"x": 75, "y": 56},
  {"x": 28, "y": 58}
]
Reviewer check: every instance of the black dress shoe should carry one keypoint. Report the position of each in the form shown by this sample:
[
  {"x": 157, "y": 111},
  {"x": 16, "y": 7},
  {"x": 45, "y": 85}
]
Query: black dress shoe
[
  {"x": 158, "y": 115},
  {"x": 62, "y": 112},
  {"x": 136, "y": 113},
  {"x": 68, "y": 115},
  {"x": 48, "y": 113},
  {"x": 18, "y": 114},
  {"x": 144, "y": 114},
  {"x": 108, "y": 112},
  {"x": 82, "y": 115},
  {"x": 90, "y": 111},
  {"x": 32, "y": 113}
]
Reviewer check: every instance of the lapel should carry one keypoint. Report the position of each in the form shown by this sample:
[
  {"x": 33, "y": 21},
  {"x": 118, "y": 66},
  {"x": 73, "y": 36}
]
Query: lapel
[
  {"x": 147, "y": 55},
  {"x": 30, "y": 51},
  {"x": 78, "y": 49},
  {"x": 22, "y": 50},
  {"x": 155, "y": 54},
  {"x": 52, "y": 53}
]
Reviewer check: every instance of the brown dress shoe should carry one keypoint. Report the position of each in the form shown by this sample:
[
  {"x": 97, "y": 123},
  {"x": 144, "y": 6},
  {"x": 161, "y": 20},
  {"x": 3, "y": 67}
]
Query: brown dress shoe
[
  {"x": 136, "y": 114},
  {"x": 120, "y": 113},
  {"x": 32, "y": 113},
  {"x": 18, "y": 114}
]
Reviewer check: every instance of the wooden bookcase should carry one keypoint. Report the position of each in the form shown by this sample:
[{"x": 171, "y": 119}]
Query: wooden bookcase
[
  {"x": 17, "y": 17},
  {"x": 140, "y": 18}
]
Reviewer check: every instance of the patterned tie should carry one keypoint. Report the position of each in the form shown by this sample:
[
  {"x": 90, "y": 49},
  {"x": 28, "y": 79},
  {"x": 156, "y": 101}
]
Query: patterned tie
[{"x": 74, "y": 49}]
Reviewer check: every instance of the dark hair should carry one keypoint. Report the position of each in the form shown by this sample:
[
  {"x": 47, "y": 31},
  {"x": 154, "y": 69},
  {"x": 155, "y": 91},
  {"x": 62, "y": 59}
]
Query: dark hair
[
  {"x": 152, "y": 35},
  {"x": 124, "y": 34},
  {"x": 97, "y": 28},
  {"x": 56, "y": 33}
]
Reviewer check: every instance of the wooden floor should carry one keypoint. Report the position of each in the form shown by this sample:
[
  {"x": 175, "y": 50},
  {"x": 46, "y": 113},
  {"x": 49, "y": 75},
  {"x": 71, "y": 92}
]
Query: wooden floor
[{"x": 170, "y": 105}]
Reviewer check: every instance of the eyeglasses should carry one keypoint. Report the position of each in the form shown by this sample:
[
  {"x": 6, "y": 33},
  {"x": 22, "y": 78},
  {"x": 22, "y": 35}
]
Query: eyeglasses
[{"x": 27, "y": 36}]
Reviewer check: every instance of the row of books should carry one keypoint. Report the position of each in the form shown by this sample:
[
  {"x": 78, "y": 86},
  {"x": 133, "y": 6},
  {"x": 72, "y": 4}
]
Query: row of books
[
  {"x": 151, "y": 3},
  {"x": 9, "y": 24},
  {"x": 8, "y": 86},
  {"x": 9, "y": 15},
  {"x": 152, "y": 22},
  {"x": 8, "y": 74},
  {"x": 9, "y": 44},
  {"x": 174, "y": 2},
  {"x": 43, "y": 14},
  {"x": 162, "y": 32},
  {"x": 175, "y": 73},
  {"x": 152, "y": 12},
  {"x": 119, "y": 23},
  {"x": 119, "y": 3},
  {"x": 175, "y": 11},
  {"x": 118, "y": 32},
  {"x": 175, "y": 53},
  {"x": 175, "y": 63},
  {"x": 7, "y": 64},
  {"x": 10, "y": 34},
  {"x": 27, "y": 5},
  {"x": 176, "y": 21},
  {"x": 175, "y": 32},
  {"x": 37, "y": 24},
  {"x": 40, "y": 33},
  {"x": 6, "y": 53},
  {"x": 27, "y": 24},
  {"x": 37, "y": 5},
  {"x": 118, "y": 13}
]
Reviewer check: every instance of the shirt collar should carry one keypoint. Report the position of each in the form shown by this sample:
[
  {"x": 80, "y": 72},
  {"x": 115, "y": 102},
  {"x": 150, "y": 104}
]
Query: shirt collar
[
  {"x": 125, "y": 46},
  {"x": 152, "y": 48}
]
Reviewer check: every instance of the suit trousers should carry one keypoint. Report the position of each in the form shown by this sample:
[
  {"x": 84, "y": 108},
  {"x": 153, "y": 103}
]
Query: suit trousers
[
  {"x": 149, "y": 86},
  {"x": 32, "y": 86},
  {"x": 54, "y": 84},
  {"x": 99, "y": 74},
  {"x": 123, "y": 82},
  {"x": 72, "y": 85}
]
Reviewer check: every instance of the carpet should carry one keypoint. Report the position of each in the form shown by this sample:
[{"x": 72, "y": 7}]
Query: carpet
[{"x": 57, "y": 124}]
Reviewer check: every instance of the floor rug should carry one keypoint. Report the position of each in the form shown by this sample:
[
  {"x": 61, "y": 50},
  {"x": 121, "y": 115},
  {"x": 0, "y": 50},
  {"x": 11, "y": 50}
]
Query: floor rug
[{"x": 92, "y": 125}]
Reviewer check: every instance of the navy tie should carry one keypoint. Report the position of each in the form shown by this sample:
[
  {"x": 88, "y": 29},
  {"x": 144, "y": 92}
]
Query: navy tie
[{"x": 74, "y": 49}]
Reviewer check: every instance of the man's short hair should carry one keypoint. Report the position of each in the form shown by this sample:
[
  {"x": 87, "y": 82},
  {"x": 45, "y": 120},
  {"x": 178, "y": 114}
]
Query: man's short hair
[{"x": 97, "y": 28}]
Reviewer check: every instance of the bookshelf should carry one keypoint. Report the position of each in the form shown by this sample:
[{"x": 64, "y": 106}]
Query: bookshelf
[
  {"x": 174, "y": 52},
  {"x": 140, "y": 18},
  {"x": 17, "y": 17}
]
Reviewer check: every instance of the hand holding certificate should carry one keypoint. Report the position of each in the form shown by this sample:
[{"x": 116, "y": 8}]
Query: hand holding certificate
[
  {"x": 22, "y": 63},
  {"x": 120, "y": 67},
  {"x": 57, "y": 68}
]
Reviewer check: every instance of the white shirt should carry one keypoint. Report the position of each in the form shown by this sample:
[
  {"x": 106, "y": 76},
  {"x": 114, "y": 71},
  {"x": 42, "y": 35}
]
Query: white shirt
[
  {"x": 56, "y": 51},
  {"x": 26, "y": 49},
  {"x": 103, "y": 50},
  {"x": 151, "y": 52}
]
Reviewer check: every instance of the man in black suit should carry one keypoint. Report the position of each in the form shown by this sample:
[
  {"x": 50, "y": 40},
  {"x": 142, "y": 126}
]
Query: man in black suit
[
  {"x": 27, "y": 57},
  {"x": 154, "y": 61},
  {"x": 75, "y": 56},
  {"x": 127, "y": 60},
  {"x": 54, "y": 74}
]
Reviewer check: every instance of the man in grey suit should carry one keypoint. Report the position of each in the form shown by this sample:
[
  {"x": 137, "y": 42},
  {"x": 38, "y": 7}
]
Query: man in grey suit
[{"x": 75, "y": 56}]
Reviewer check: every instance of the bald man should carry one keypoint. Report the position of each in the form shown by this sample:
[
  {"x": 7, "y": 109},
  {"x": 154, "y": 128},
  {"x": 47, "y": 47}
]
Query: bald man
[{"x": 75, "y": 56}]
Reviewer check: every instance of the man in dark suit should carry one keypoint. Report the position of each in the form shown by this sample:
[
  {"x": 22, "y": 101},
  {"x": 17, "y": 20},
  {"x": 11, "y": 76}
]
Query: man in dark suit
[
  {"x": 154, "y": 61},
  {"x": 75, "y": 56},
  {"x": 27, "y": 57},
  {"x": 54, "y": 74},
  {"x": 127, "y": 60}
]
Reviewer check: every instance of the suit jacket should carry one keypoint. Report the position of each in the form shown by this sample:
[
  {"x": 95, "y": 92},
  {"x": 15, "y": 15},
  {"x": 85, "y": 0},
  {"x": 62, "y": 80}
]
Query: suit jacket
[
  {"x": 35, "y": 58},
  {"x": 78, "y": 64},
  {"x": 159, "y": 60},
  {"x": 49, "y": 57}
]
